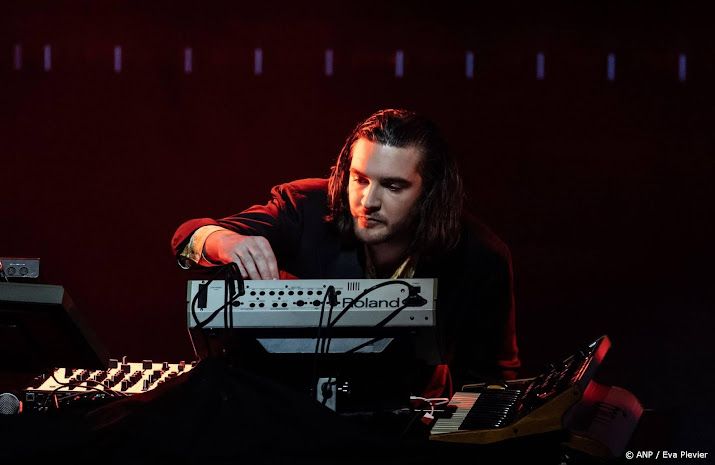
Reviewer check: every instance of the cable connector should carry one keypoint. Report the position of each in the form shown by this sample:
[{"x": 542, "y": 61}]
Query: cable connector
[{"x": 427, "y": 418}]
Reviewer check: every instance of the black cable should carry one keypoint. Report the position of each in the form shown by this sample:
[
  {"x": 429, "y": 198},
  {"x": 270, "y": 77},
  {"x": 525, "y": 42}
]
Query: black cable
[
  {"x": 331, "y": 323},
  {"x": 366, "y": 292},
  {"x": 231, "y": 293},
  {"x": 380, "y": 324},
  {"x": 320, "y": 323},
  {"x": 314, "y": 378},
  {"x": 333, "y": 298},
  {"x": 199, "y": 325},
  {"x": 226, "y": 310}
]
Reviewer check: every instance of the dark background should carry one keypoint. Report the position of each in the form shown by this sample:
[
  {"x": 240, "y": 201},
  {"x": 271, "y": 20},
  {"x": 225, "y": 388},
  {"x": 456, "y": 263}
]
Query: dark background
[{"x": 603, "y": 190}]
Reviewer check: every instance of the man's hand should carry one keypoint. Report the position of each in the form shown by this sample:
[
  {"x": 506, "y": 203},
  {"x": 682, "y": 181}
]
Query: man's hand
[{"x": 253, "y": 254}]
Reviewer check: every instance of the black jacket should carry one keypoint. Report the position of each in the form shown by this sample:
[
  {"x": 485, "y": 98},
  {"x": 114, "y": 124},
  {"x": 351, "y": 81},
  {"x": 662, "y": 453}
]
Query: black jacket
[{"x": 475, "y": 298}]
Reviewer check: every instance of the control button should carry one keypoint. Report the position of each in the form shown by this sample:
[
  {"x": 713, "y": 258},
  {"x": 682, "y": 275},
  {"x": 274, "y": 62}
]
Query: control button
[
  {"x": 316, "y": 302},
  {"x": 146, "y": 364}
]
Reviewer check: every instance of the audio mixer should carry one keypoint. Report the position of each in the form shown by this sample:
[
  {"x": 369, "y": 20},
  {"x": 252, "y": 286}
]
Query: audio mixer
[{"x": 64, "y": 387}]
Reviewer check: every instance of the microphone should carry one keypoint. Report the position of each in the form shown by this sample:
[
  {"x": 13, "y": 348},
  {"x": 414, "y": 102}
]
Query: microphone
[{"x": 10, "y": 404}]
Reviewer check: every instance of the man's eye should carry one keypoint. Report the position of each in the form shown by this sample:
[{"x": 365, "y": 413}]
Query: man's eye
[
  {"x": 394, "y": 187},
  {"x": 359, "y": 180}
]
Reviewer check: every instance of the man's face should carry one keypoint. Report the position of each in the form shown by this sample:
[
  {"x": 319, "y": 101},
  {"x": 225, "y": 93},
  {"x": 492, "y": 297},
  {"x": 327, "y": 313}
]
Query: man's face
[{"x": 383, "y": 189}]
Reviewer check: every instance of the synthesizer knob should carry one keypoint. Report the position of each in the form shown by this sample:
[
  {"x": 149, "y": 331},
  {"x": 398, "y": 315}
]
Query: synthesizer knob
[
  {"x": 146, "y": 364},
  {"x": 125, "y": 367},
  {"x": 182, "y": 365},
  {"x": 165, "y": 366},
  {"x": 113, "y": 363}
]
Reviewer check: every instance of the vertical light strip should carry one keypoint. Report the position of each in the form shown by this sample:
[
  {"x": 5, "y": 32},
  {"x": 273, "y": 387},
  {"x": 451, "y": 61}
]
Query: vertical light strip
[
  {"x": 399, "y": 63},
  {"x": 469, "y": 65},
  {"x": 611, "y": 67},
  {"x": 117, "y": 59},
  {"x": 17, "y": 57},
  {"x": 329, "y": 62},
  {"x": 540, "y": 65},
  {"x": 47, "y": 57},
  {"x": 258, "y": 61},
  {"x": 188, "y": 60},
  {"x": 682, "y": 67}
]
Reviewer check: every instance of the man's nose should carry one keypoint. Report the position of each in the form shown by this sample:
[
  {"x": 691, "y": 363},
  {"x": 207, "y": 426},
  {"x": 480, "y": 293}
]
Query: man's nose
[{"x": 371, "y": 198}]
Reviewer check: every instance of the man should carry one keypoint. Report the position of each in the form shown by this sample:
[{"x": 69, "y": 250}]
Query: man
[{"x": 392, "y": 208}]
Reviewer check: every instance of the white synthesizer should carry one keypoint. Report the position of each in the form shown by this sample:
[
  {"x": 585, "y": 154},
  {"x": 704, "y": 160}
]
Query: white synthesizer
[{"x": 299, "y": 303}]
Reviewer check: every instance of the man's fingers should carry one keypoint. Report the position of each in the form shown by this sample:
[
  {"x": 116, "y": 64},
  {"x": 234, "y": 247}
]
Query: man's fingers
[
  {"x": 270, "y": 258},
  {"x": 242, "y": 269},
  {"x": 250, "y": 267},
  {"x": 261, "y": 263},
  {"x": 254, "y": 257}
]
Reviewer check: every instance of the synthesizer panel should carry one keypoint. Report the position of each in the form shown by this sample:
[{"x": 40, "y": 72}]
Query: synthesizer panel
[
  {"x": 301, "y": 303},
  {"x": 522, "y": 407}
]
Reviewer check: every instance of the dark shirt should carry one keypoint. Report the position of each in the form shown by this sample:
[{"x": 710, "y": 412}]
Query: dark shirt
[{"x": 475, "y": 300}]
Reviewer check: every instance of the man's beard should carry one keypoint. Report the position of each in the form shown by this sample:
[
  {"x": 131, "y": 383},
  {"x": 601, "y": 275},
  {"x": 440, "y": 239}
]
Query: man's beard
[{"x": 384, "y": 232}]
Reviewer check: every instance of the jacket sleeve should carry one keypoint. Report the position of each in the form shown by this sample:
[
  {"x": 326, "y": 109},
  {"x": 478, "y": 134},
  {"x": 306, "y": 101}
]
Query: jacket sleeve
[
  {"x": 486, "y": 330},
  {"x": 279, "y": 220}
]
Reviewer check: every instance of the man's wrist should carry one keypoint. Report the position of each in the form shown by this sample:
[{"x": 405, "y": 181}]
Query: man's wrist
[
  {"x": 194, "y": 250},
  {"x": 206, "y": 255}
]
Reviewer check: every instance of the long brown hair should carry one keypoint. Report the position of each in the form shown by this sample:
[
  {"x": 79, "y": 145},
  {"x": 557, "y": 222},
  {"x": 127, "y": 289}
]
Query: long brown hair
[{"x": 440, "y": 205}]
